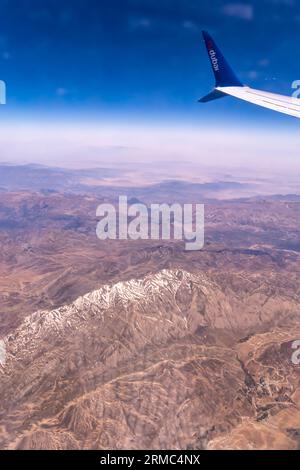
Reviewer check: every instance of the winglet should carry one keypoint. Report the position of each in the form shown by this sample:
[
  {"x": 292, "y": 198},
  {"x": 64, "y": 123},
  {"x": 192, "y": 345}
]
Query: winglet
[
  {"x": 213, "y": 95},
  {"x": 224, "y": 75}
]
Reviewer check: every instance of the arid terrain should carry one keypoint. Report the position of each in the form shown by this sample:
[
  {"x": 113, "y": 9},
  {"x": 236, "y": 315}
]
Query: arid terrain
[{"x": 141, "y": 344}]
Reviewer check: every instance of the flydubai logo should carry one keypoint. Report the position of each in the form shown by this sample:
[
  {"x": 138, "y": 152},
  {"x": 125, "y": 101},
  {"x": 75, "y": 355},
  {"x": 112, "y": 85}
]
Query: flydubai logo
[{"x": 214, "y": 60}]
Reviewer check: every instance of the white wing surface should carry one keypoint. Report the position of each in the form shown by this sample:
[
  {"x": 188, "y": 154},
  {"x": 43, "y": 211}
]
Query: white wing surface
[{"x": 228, "y": 84}]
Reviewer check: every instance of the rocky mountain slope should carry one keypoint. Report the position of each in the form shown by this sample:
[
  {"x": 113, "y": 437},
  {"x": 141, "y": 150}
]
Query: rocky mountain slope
[{"x": 171, "y": 360}]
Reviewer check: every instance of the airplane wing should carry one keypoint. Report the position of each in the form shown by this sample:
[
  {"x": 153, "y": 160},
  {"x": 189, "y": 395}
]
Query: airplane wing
[{"x": 228, "y": 84}]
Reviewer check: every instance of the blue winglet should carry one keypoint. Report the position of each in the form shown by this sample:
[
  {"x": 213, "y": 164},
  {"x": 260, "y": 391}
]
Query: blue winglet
[{"x": 224, "y": 75}]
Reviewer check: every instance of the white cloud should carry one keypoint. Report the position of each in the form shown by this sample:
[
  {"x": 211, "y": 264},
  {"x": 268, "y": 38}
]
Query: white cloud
[
  {"x": 239, "y": 10},
  {"x": 61, "y": 91},
  {"x": 263, "y": 62},
  {"x": 189, "y": 25},
  {"x": 139, "y": 23},
  {"x": 252, "y": 74},
  {"x": 6, "y": 55}
]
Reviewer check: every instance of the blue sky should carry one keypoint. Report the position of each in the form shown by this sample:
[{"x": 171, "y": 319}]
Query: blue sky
[
  {"x": 144, "y": 61},
  {"x": 142, "y": 57}
]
